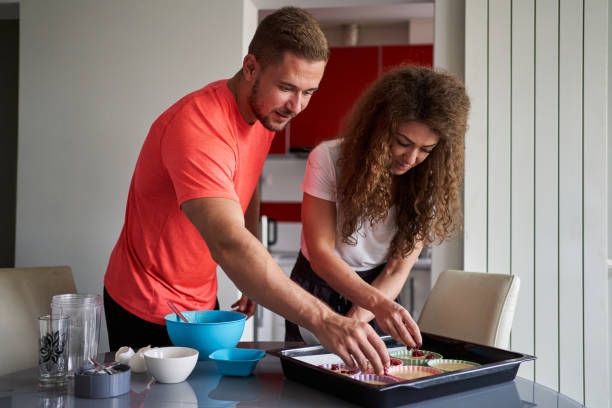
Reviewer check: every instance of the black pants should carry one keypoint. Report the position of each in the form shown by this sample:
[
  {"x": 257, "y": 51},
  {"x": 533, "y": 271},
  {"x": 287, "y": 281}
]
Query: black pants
[
  {"x": 304, "y": 276},
  {"x": 126, "y": 329}
]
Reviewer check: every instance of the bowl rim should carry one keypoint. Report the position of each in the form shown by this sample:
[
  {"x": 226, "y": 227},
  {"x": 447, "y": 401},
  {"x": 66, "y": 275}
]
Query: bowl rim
[
  {"x": 258, "y": 356},
  {"x": 173, "y": 317},
  {"x": 192, "y": 352}
]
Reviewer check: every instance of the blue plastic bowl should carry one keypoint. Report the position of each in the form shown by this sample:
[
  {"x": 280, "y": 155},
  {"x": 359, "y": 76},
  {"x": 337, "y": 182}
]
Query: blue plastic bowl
[
  {"x": 237, "y": 361},
  {"x": 208, "y": 330}
]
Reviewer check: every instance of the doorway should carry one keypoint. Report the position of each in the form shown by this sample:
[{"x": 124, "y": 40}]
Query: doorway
[{"x": 9, "y": 87}]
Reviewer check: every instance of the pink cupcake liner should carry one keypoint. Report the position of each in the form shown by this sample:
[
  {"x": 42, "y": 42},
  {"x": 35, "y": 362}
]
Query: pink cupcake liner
[{"x": 373, "y": 377}]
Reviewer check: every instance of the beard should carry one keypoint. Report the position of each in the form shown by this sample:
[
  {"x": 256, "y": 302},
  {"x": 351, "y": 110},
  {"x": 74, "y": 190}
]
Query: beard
[{"x": 265, "y": 119}]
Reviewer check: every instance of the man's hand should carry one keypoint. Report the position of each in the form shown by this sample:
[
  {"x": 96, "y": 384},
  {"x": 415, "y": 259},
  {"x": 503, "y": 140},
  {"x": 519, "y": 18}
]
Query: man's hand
[
  {"x": 244, "y": 305},
  {"x": 355, "y": 342},
  {"x": 393, "y": 319}
]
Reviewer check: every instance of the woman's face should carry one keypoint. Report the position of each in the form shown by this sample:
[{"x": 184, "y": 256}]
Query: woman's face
[{"x": 410, "y": 145}]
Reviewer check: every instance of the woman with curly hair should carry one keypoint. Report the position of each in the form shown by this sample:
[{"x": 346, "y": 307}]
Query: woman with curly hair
[{"x": 374, "y": 197}]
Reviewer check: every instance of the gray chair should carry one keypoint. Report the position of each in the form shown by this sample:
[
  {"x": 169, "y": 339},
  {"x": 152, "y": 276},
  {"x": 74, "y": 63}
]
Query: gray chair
[
  {"x": 25, "y": 294},
  {"x": 472, "y": 306}
]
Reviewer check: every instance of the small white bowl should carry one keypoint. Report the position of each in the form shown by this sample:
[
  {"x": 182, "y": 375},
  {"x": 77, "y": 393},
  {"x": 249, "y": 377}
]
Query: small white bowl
[{"x": 171, "y": 364}]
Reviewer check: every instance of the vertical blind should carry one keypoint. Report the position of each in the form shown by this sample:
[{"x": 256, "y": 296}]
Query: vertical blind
[{"x": 535, "y": 179}]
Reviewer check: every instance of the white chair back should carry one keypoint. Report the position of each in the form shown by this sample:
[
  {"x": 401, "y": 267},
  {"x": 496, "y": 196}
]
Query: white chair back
[{"x": 472, "y": 306}]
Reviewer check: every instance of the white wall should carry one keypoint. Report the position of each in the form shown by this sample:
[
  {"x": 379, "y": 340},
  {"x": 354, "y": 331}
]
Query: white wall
[
  {"x": 449, "y": 46},
  {"x": 610, "y": 192},
  {"x": 536, "y": 72},
  {"x": 93, "y": 77}
]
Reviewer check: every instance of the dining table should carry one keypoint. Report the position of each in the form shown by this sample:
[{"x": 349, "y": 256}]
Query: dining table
[{"x": 266, "y": 387}]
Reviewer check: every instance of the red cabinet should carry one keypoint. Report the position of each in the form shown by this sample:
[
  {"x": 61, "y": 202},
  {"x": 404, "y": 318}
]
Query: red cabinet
[
  {"x": 394, "y": 55},
  {"x": 348, "y": 73}
]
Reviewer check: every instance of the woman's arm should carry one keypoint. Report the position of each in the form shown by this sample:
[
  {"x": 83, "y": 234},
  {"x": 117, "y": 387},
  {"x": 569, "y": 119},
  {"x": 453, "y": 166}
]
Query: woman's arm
[
  {"x": 319, "y": 226},
  {"x": 390, "y": 281}
]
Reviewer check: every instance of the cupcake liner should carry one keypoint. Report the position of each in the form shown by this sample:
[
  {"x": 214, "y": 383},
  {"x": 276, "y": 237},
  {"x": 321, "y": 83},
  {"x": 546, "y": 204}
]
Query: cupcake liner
[
  {"x": 439, "y": 364},
  {"x": 339, "y": 368},
  {"x": 404, "y": 373},
  {"x": 394, "y": 362},
  {"x": 374, "y": 379},
  {"x": 406, "y": 357}
]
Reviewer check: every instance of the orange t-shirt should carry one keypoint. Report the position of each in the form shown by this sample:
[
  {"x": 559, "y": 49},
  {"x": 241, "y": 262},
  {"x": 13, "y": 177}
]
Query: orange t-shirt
[{"x": 200, "y": 147}]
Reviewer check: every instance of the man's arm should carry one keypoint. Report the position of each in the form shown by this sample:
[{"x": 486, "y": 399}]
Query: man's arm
[
  {"x": 251, "y": 221},
  {"x": 249, "y": 265}
]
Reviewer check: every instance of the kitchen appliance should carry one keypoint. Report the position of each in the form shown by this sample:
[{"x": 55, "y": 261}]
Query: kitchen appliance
[
  {"x": 267, "y": 325},
  {"x": 268, "y": 231}
]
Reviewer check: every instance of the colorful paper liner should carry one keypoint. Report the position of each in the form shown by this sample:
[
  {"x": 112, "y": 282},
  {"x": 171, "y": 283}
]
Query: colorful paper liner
[
  {"x": 386, "y": 379},
  {"x": 433, "y": 363},
  {"x": 328, "y": 366},
  {"x": 407, "y": 359},
  {"x": 394, "y": 372}
]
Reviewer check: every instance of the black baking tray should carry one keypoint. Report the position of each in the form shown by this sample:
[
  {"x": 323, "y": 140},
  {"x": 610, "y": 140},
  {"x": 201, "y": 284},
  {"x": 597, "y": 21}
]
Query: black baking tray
[{"x": 497, "y": 366}]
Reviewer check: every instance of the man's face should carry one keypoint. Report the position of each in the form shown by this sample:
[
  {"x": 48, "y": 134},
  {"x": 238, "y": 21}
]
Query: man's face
[{"x": 281, "y": 91}]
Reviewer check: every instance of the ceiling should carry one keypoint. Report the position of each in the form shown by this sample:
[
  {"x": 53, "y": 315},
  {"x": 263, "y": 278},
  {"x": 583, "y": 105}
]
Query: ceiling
[{"x": 368, "y": 15}]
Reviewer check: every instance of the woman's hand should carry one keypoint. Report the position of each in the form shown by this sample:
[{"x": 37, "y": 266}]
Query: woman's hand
[{"x": 397, "y": 322}]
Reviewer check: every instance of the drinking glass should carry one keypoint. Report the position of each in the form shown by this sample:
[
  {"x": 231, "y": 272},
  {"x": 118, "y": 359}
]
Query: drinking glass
[
  {"x": 84, "y": 311},
  {"x": 53, "y": 339}
]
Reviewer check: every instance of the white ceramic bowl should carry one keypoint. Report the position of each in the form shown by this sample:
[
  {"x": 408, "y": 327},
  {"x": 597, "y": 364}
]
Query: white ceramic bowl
[{"x": 171, "y": 364}]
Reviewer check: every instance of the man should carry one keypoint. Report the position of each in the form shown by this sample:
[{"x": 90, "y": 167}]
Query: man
[{"x": 191, "y": 203}]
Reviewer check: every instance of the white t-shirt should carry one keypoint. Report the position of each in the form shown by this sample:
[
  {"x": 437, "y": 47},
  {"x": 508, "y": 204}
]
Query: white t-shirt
[{"x": 373, "y": 241}]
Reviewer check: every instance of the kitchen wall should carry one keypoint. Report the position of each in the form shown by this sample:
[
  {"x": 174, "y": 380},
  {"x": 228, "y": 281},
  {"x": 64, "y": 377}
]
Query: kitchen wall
[
  {"x": 93, "y": 77},
  {"x": 536, "y": 72},
  {"x": 449, "y": 34},
  {"x": 610, "y": 195}
]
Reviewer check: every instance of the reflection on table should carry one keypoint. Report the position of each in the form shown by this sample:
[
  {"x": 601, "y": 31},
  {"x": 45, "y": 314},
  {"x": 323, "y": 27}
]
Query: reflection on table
[{"x": 268, "y": 387}]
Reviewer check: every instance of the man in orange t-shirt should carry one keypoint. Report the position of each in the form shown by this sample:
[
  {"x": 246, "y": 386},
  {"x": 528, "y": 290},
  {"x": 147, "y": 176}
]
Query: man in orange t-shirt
[
  {"x": 191, "y": 202},
  {"x": 200, "y": 147}
]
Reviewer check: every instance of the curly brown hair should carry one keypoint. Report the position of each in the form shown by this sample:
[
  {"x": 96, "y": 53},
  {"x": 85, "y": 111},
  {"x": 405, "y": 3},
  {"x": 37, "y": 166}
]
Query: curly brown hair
[{"x": 428, "y": 196}]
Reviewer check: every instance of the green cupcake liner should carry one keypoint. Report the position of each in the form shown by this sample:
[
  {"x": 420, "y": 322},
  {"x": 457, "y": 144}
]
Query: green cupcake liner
[
  {"x": 440, "y": 361},
  {"x": 407, "y": 359}
]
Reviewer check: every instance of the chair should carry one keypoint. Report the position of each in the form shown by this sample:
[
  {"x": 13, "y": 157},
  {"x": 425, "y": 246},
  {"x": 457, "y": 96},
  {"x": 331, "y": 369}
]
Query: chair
[
  {"x": 25, "y": 294},
  {"x": 471, "y": 306}
]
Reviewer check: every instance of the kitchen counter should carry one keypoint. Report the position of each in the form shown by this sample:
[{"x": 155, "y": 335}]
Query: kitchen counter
[{"x": 268, "y": 387}]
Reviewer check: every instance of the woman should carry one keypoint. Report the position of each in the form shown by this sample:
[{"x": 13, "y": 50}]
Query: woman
[{"x": 373, "y": 198}]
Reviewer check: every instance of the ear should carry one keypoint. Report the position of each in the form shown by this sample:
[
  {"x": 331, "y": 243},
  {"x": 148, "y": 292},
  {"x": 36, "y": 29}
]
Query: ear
[{"x": 250, "y": 67}]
